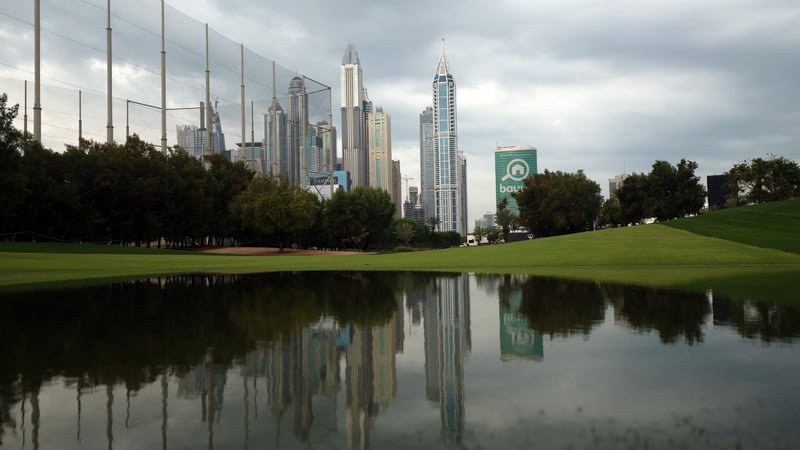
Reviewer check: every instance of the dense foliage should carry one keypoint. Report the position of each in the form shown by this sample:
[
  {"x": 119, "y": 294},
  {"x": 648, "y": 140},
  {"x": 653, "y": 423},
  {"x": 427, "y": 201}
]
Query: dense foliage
[
  {"x": 554, "y": 203},
  {"x": 762, "y": 180},
  {"x": 667, "y": 192}
]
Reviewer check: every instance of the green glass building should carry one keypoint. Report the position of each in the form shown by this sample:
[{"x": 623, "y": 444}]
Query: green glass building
[{"x": 512, "y": 164}]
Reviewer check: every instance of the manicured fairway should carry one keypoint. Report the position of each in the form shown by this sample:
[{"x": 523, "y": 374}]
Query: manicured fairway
[{"x": 655, "y": 255}]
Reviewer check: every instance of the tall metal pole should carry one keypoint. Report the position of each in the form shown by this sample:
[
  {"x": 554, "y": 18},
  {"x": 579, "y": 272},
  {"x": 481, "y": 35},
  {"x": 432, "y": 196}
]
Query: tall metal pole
[
  {"x": 80, "y": 120},
  {"x": 127, "y": 119},
  {"x": 209, "y": 144},
  {"x": 25, "y": 114},
  {"x": 37, "y": 77},
  {"x": 163, "y": 84},
  {"x": 110, "y": 112},
  {"x": 242, "y": 151},
  {"x": 252, "y": 126}
]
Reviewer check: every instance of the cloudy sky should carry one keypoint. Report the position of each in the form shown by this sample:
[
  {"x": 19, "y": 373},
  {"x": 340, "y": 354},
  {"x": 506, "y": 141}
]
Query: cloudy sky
[{"x": 607, "y": 87}]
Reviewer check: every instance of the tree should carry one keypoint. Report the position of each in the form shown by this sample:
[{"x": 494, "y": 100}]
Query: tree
[
  {"x": 479, "y": 232},
  {"x": 434, "y": 222},
  {"x": 667, "y": 192},
  {"x": 224, "y": 180},
  {"x": 493, "y": 234},
  {"x": 274, "y": 208},
  {"x": 610, "y": 213},
  {"x": 763, "y": 180},
  {"x": 633, "y": 198},
  {"x": 554, "y": 203},
  {"x": 359, "y": 217},
  {"x": 505, "y": 217},
  {"x": 405, "y": 232},
  {"x": 674, "y": 191},
  {"x": 12, "y": 179}
]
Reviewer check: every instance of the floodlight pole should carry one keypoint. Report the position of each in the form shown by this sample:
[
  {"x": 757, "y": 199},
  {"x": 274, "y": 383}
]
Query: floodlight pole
[{"x": 110, "y": 106}]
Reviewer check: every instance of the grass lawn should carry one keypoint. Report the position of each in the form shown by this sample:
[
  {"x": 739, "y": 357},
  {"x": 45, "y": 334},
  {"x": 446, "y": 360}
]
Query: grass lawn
[{"x": 672, "y": 255}]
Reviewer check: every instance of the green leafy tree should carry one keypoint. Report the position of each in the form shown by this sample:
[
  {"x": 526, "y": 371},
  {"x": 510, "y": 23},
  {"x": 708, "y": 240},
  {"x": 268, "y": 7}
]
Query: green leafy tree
[
  {"x": 667, "y": 192},
  {"x": 554, "y": 203},
  {"x": 633, "y": 199},
  {"x": 224, "y": 180},
  {"x": 359, "y": 217},
  {"x": 12, "y": 179},
  {"x": 763, "y": 180},
  {"x": 610, "y": 213},
  {"x": 674, "y": 191},
  {"x": 274, "y": 208}
]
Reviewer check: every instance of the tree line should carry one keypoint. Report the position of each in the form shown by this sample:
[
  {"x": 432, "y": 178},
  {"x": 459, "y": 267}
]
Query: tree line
[
  {"x": 555, "y": 203},
  {"x": 133, "y": 194}
]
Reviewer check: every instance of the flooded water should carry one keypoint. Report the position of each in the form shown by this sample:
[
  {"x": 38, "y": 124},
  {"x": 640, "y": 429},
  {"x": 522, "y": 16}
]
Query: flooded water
[{"x": 394, "y": 360}]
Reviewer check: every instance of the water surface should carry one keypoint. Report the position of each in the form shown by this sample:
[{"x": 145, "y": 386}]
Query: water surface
[{"x": 380, "y": 360}]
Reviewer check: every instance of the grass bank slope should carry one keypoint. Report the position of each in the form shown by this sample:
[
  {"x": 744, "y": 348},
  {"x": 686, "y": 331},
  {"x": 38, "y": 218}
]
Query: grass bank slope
[
  {"x": 654, "y": 255},
  {"x": 770, "y": 225}
]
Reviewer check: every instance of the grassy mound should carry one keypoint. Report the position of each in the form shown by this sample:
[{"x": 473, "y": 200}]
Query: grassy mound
[
  {"x": 738, "y": 250},
  {"x": 770, "y": 225}
]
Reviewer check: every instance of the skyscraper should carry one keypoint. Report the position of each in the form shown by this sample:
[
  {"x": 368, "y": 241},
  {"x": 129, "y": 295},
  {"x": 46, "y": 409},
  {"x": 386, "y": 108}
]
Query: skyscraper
[
  {"x": 447, "y": 185},
  {"x": 512, "y": 165},
  {"x": 427, "y": 196},
  {"x": 354, "y": 149},
  {"x": 397, "y": 190},
  {"x": 297, "y": 130},
  {"x": 380, "y": 150}
]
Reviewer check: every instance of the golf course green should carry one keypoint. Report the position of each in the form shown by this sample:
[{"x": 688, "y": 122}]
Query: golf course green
[{"x": 750, "y": 252}]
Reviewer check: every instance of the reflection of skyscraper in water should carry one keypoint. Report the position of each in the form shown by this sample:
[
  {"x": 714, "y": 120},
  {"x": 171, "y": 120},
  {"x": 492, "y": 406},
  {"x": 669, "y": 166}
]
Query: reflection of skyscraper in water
[
  {"x": 371, "y": 375},
  {"x": 297, "y": 367},
  {"x": 207, "y": 381},
  {"x": 447, "y": 343}
]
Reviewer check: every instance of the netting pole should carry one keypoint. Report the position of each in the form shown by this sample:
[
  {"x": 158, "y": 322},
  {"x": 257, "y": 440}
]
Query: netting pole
[
  {"x": 242, "y": 151},
  {"x": 110, "y": 125},
  {"x": 209, "y": 144},
  {"x": 25, "y": 115},
  {"x": 163, "y": 85},
  {"x": 37, "y": 80},
  {"x": 80, "y": 119}
]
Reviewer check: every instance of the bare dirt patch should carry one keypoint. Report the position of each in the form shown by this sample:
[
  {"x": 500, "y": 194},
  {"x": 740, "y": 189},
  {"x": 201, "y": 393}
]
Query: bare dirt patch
[{"x": 259, "y": 251}]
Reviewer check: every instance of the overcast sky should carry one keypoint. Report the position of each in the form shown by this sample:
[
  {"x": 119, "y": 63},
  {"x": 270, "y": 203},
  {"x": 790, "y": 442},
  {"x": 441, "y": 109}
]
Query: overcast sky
[{"x": 607, "y": 87}]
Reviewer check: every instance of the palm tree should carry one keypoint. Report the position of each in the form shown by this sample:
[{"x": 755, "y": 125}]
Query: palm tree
[
  {"x": 433, "y": 221},
  {"x": 504, "y": 217}
]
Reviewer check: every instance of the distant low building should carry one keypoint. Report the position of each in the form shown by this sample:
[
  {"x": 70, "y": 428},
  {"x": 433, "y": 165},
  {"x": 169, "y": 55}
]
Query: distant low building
[
  {"x": 615, "y": 183},
  {"x": 716, "y": 191}
]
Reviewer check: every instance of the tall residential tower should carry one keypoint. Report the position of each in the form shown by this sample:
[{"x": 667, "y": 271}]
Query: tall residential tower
[
  {"x": 354, "y": 145},
  {"x": 447, "y": 177},
  {"x": 427, "y": 199}
]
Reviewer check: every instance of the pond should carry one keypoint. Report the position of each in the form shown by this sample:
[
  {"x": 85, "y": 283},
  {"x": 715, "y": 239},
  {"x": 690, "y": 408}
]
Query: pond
[{"x": 394, "y": 360}]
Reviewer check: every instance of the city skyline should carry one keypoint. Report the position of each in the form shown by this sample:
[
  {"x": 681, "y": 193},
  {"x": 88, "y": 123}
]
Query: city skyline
[{"x": 592, "y": 89}]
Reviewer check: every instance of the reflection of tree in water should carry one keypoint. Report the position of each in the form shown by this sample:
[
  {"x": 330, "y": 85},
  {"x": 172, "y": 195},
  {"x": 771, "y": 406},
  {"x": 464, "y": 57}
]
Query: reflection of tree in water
[
  {"x": 561, "y": 307},
  {"x": 770, "y": 323},
  {"x": 672, "y": 314},
  {"x": 136, "y": 333}
]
